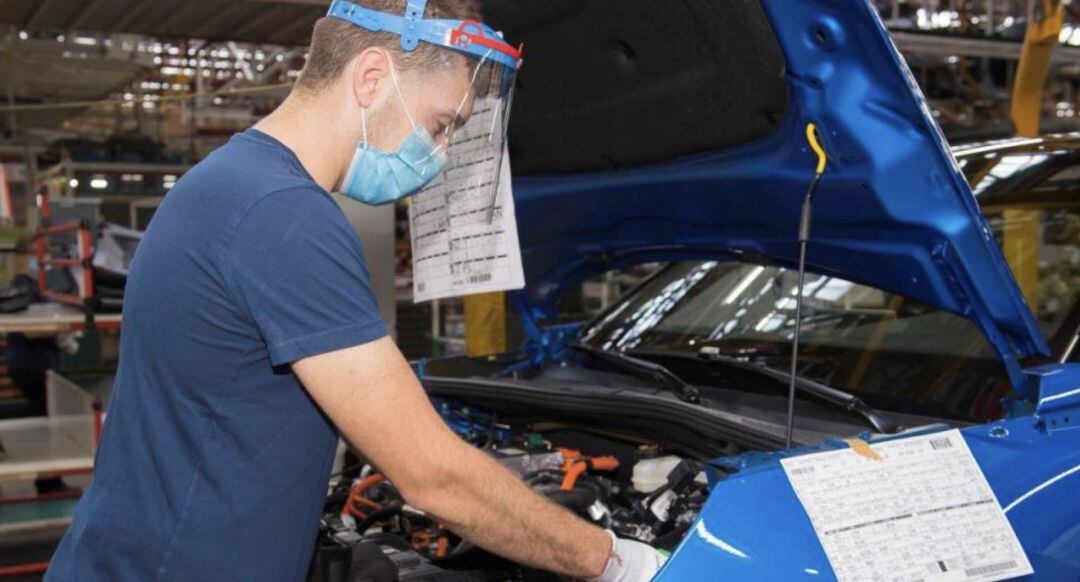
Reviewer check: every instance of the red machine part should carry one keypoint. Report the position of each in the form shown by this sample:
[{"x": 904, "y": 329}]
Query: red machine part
[{"x": 85, "y": 246}]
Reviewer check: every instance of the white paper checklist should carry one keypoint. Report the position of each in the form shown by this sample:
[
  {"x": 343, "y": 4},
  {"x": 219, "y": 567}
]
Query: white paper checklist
[{"x": 464, "y": 233}]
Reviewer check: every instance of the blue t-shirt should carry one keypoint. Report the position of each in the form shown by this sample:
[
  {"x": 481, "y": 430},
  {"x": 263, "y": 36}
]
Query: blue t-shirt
[{"x": 214, "y": 460}]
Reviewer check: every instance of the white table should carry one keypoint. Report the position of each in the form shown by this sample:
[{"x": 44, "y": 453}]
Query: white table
[
  {"x": 63, "y": 442},
  {"x": 54, "y": 318}
]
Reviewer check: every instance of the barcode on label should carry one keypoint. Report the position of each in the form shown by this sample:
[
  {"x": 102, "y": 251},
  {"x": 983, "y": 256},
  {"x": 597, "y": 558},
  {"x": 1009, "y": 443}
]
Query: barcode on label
[
  {"x": 990, "y": 568},
  {"x": 942, "y": 443},
  {"x": 802, "y": 470},
  {"x": 480, "y": 278}
]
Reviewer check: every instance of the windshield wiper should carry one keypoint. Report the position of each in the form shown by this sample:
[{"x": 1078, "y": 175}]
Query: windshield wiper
[
  {"x": 875, "y": 419},
  {"x": 643, "y": 369},
  {"x": 839, "y": 398}
]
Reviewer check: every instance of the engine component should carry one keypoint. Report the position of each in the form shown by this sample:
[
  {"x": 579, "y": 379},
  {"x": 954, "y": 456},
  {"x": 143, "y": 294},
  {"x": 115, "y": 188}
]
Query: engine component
[
  {"x": 369, "y": 532},
  {"x": 651, "y": 474}
]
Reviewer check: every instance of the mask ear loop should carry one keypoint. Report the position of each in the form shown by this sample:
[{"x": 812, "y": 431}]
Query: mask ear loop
[
  {"x": 401, "y": 97},
  {"x": 363, "y": 124}
]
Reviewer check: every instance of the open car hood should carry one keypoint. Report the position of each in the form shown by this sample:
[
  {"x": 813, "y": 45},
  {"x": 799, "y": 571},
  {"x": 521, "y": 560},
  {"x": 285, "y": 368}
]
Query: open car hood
[{"x": 679, "y": 128}]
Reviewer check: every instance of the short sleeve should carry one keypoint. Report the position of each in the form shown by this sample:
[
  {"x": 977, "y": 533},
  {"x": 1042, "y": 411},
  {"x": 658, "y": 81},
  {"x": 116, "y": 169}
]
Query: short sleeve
[{"x": 297, "y": 267}]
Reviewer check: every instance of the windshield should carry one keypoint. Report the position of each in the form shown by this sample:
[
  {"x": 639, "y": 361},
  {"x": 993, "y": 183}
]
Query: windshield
[{"x": 894, "y": 353}]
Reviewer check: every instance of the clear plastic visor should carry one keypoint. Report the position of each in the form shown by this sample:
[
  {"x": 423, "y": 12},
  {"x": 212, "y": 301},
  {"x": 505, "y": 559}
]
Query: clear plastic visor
[{"x": 475, "y": 137}]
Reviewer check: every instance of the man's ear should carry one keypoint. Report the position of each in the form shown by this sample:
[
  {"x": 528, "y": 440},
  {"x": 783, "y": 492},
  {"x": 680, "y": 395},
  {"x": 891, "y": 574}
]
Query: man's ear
[{"x": 370, "y": 70}]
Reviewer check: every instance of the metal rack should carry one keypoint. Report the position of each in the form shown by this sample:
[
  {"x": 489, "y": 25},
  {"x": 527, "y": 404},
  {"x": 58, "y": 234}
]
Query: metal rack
[{"x": 85, "y": 254}]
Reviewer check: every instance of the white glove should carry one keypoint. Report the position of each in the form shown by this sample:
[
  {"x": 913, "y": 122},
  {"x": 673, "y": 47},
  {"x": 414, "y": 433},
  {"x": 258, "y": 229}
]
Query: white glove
[{"x": 631, "y": 561}]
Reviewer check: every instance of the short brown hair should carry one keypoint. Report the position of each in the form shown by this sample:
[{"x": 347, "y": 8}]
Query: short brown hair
[{"x": 335, "y": 42}]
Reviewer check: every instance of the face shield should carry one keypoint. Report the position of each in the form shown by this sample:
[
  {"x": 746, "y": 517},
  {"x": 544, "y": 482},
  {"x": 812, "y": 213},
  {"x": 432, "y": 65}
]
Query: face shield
[
  {"x": 473, "y": 134},
  {"x": 476, "y": 140}
]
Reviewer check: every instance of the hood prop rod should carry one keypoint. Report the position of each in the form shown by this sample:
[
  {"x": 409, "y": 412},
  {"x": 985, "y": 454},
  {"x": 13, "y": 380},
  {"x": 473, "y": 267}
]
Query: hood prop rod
[{"x": 805, "y": 218}]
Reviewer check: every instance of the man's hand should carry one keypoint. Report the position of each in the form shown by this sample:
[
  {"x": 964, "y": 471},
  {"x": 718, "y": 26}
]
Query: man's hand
[
  {"x": 373, "y": 397},
  {"x": 631, "y": 561}
]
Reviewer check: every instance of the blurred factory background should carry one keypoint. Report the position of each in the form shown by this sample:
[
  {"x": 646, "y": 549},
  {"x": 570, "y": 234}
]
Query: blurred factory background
[
  {"x": 104, "y": 104},
  {"x": 112, "y": 100}
]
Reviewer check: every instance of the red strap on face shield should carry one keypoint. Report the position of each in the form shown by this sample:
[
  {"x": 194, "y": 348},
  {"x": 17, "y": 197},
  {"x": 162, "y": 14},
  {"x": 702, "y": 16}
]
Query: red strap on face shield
[{"x": 471, "y": 32}]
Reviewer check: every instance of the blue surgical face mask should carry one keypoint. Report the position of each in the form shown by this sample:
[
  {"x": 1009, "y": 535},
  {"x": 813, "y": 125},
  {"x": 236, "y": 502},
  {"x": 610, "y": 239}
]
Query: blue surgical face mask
[{"x": 377, "y": 178}]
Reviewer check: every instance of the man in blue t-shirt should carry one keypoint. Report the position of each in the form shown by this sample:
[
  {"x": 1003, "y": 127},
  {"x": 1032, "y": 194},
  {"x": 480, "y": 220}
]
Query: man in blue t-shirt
[{"x": 251, "y": 336}]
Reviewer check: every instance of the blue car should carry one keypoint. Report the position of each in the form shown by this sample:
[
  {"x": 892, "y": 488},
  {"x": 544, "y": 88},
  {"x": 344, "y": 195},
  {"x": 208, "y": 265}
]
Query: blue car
[{"x": 678, "y": 135}]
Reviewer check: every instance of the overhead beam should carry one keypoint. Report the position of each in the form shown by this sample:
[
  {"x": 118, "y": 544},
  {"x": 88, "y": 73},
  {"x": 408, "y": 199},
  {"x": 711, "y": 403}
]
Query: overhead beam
[
  {"x": 83, "y": 14},
  {"x": 37, "y": 12},
  {"x": 214, "y": 27},
  {"x": 944, "y": 46},
  {"x": 283, "y": 34},
  {"x": 267, "y": 16},
  {"x": 136, "y": 10},
  {"x": 179, "y": 12}
]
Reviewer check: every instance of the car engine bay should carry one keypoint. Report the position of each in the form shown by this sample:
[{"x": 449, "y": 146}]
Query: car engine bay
[{"x": 637, "y": 489}]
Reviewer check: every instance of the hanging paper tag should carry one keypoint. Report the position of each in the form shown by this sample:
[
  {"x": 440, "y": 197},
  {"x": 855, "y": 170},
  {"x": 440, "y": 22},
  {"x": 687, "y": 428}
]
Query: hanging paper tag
[{"x": 463, "y": 240}]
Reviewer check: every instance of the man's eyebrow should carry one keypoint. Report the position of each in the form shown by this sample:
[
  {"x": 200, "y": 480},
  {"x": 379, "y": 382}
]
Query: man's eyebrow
[{"x": 458, "y": 121}]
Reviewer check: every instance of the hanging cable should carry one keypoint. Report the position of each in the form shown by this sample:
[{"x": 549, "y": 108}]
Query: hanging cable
[{"x": 805, "y": 218}]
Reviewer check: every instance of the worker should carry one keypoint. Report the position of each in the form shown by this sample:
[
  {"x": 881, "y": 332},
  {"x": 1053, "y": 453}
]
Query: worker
[{"x": 252, "y": 339}]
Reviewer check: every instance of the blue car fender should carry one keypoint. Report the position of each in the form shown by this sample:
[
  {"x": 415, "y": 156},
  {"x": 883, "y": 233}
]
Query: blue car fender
[{"x": 753, "y": 526}]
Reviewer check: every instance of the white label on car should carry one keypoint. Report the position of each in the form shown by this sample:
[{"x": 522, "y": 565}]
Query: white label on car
[{"x": 916, "y": 508}]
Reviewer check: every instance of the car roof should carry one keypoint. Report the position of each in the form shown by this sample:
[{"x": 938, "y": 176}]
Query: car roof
[{"x": 1054, "y": 141}]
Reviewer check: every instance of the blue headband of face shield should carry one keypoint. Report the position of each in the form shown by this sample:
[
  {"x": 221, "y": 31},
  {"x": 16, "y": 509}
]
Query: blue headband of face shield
[{"x": 465, "y": 36}]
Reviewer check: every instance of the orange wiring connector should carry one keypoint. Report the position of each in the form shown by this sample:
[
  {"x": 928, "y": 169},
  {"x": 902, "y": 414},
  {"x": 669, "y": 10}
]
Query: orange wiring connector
[
  {"x": 356, "y": 497},
  {"x": 576, "y": 466}
]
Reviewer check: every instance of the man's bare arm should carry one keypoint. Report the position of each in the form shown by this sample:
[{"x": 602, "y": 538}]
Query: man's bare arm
[{"x": 372, "y": 395}]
